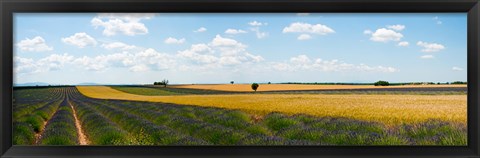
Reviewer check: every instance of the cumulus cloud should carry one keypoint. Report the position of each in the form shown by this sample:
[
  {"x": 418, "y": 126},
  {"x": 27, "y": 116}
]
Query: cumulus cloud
[
  {"x": 367, "y": 32},
  {"x": 199, "y": 53},
  {"x": 427, "y": 57},
  {"x": 155, "y": 60},
  {"x": 50, "y": 63},
  {"x": 259, "y": 33},
  {"x": 135, "y": 61},
  {"x": 303, "y": 62},
  {"x": 171, "y": 40},
  {"x": 256, "y": 23},
  {"x": 117, "y": 45},
  {"x": 122, "y": 23},
  {"x": 201, "y": 29},
  {"x": 25, "y": 65},
  {"x": 304, "y": 37},
  {"x": 430, "y": 47},
  {"x": 219, "y": 52},
  {"x": 234, "y": 31},
  {"x": 385, "y": 35},
  {"x": 139, "y": 68},
  {"x": 256, "y": 28},
  {"x": 299, "y": 27},
  {"x": 36, "y": 44},
  {"x": 396, "y": 27},
  {"x": 301, "y": 59},
  {"x": 457, "y": 68},
  {"x": 403, "y": 43},
  {"x": 81, "y": 40}
]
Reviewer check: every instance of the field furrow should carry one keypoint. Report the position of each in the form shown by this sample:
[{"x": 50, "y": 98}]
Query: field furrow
[
  {"x": 61, "y": 130},
  {"x": 98, "y": 128}
]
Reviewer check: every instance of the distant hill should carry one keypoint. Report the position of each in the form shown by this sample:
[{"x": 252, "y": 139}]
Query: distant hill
[{"x": 31, "y": 84}]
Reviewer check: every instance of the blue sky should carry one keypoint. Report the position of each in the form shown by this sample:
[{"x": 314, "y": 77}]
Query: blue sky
[{"x": 218, "y": 48}]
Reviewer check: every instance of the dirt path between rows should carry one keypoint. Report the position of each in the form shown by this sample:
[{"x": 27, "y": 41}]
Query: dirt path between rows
[
  {"x": 39, "y": 134},
  {"x": 82, "y": 139}
]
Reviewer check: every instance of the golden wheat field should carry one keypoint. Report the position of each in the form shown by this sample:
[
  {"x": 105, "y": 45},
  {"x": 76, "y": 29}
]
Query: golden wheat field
[
  {"x": 388, "y": 109},
  {"x": 285, "y": 87}
]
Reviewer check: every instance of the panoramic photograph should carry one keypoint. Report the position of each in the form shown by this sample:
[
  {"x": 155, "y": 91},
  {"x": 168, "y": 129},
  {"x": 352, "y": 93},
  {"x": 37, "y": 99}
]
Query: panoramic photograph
[{"x": 240, "y": 79}]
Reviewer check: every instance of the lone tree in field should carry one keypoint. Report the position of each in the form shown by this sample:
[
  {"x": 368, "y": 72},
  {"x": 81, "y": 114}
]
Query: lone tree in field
[
  {"x": 232, "y": 82},
  {"x": 381, "y": 83},
  {"x": 255, "y": 86},
  {"x": 164, "y": 83}
]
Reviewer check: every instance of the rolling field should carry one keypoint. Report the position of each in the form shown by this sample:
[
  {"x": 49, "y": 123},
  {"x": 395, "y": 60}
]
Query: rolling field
[
  {"x": 289, "y": 87},
  {"x": 64, "y": 116},
  {"x": 387, "y": 109}
]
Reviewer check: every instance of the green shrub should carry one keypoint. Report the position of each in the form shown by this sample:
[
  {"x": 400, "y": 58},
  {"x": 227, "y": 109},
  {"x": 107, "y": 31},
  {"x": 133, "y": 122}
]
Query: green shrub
[{"x": 381, "y": 83}]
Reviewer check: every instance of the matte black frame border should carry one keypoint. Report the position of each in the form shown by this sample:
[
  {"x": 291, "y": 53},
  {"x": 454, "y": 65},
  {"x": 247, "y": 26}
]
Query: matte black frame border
[{"x": 8, "y": 7}]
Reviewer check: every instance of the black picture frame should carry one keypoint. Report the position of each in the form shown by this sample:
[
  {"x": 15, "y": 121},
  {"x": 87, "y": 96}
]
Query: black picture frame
[{"x": 8, "y": 7}]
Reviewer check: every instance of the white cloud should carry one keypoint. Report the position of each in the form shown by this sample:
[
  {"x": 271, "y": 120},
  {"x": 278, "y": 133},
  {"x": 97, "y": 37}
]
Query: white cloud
[
  {"x": 303, "y": 62},
  {"x": 136, "y": 61},
  {"x": 430, "y": 47},
  {"x": 36, "y": 44},
  {"x": 98, "y": 63},
  {"x": 234, "y": 31},
  {"x": 301, "y": 59},
  {"x": 122, "y": 23},
  {"x": 385, "y": 35},
  {"x": 363, "y": 67},
  {"x": 201, "y": 29},
  {"x": 80, "y": 40},
  {"x": 304, "y": 37},
  {"x": 259, "y": 33},
  {"x": 457, "y": 68},
  {"x": 219, "y": 52},
  {"x": 256, "y": 28},
  {"x": 171, "y": 40},
  {"x": 427, "y": 57},
  {"x": 139, "y": 68},
  {"x": 367, "y": 32},
  {"x": 403, "y": 43},
  {"x": 49, "y": 63},
  {"x": 220, "y": 41},
  {"x": 199, "y": 53},
  {"x": 155, "y": 60},
  {"x": 55, "y": 61},
  {"x": 299, "y": 27},
  {"x": 303, "y": 14},
  {"x": 24, "y": 65},
  {"x": 396, "y": 27},
  {"x": 256, "y": 23},
  {"x": 117, "y": 45}
]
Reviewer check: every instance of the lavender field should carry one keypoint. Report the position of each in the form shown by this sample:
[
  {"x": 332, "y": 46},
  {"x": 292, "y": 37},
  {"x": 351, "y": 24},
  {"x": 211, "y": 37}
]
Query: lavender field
[{"x": 48, "y": 116}]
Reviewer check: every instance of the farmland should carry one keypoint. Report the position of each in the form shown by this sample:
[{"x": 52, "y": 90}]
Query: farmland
[
  {"x": 389, "y": 109},
  {"x": 100, "y": 115},
  {"x": 287, "y": 87}
]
